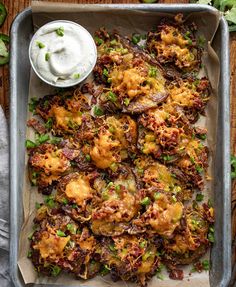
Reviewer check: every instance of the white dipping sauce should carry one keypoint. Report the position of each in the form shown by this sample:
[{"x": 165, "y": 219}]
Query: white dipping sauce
[{"x": 63, "y": 53}]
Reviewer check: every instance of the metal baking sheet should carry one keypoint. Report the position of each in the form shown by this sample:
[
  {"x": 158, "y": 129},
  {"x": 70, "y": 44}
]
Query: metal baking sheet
[{"x": 21, "y": 33}]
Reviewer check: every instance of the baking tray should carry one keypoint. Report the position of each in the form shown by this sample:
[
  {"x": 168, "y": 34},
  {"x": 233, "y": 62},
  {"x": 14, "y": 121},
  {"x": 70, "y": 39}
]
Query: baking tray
[{"x": 21, "y": 33}]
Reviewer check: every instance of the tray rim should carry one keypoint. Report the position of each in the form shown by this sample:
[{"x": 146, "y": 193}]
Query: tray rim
[{"x": 225, "y": 76}]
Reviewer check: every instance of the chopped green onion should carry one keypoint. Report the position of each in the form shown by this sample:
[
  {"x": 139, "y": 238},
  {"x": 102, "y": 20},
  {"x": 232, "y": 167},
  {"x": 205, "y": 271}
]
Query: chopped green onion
[
  {"x": 47, "y": 56},
  {"x": 76, "y": 76},
  {"x": 186, "y": 36},
  {"x": 60, "y": 31},
  {"x": 49, "y": 201},
  {"x": 46, "y": 103},
  {"x": 32, "y": 104},
  {"x": 98, "y": 40},
  {"x": 88, "y": 157},
  {"x": 211, "y": 236},
  {"x": 199, "y": 197},
  {"x": 160, "y": 276},
  {"x": 174, "y": 198},
  {"x": 201, "y": 41},
  {"x": 143, "y": 244},
  {"x": 140, "y": 170},
  {"x": 30, "y": 144},
  {"x": 97, "y": 111},
  {"x": 30, "y": 236},
  {"x": 55, "y": 140},
  {"x": 145, "y": 201},
  {"x": 233, "y": 166},
  {"x": 112, "y": 247},
  {"x": 152, "y": 72},
  {"x": 113, "y": 166},
  {"x": 157, "y": 195},
  {"x": 126, "y": 101},
  {"x": 136, "y": 38},
  {"x": 37, "y": 205},
  {"x": 64, "y": 201},
  {"x": 210, "y": 204},
  {"x": 29, "y": 254},
  {"x": 105, "y": 72},
  {"x": 117, "y": 187},
  {"x": 112, "y": 97},
  {"x": 146, "y": 255},
  {"x": 111, "y": 129},
  {"x": 206, "y": 265},
  {"x": 199, "y": 169},
  {"x": 55, "y": 270},
  {"x": 168, "y": 157},
  {"x": 110, "y": 184},
  {"x": 60, "y": 233},
  {"x": 43, "y": 138},
  {"x": 105, "y": 270},
  {"x": 40, "y": 45},
  {"x": 202, "y": 137},
  {"x": 113, "y": 42},
  {"x": 72, "y": 228},
  {"x": 48, "y": 124}
]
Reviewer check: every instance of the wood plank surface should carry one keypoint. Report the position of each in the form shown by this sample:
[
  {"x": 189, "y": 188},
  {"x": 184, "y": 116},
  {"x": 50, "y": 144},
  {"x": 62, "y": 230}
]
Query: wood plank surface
[{"x": 16, "y": 6}]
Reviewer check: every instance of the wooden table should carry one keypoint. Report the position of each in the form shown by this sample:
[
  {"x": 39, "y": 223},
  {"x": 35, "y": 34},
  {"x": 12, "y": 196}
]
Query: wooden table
[{"x": 15, "y": 6}]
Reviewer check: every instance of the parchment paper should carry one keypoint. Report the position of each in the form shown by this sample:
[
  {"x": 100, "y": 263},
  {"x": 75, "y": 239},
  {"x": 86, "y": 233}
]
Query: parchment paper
[{"x": 126, "y": 22}]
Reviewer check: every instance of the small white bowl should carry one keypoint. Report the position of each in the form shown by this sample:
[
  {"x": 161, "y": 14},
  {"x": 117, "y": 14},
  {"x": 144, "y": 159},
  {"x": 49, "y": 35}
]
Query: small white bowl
[{"x": 89, "y": 44}]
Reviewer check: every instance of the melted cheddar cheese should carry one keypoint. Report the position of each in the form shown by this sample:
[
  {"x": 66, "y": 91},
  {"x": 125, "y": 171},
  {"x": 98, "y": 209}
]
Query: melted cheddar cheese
[
  {"x": 159, "y": 176},
  {"x": 64, "y": 119},
  {"x": 103, "y": 153},
  {"x": 165, "y": 216},
  {"x": 79, "y": 189},
  {"x": 51, "y": 245},
  {"x": 173, "y": 45},
  {"x": 183, "y": 95},
  {"x": 51, "y": 162},
  {"x": 135, "y": 82}
]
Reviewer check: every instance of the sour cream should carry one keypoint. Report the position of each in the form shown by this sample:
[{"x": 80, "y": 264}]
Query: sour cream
[{"x": 62, "y": 53}]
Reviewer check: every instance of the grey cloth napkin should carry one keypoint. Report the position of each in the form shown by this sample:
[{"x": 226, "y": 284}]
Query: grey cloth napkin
[{"x": 5, "y": 280}]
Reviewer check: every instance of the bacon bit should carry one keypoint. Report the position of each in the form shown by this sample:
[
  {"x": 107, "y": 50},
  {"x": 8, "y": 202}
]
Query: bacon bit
[
  {"x": 176, "y": 274},
  {"x": 87, "y": 88},
  {"x": 70, "y": 153},
  {"x": 97, "y": 92},
  {"x": 37, "y": 126}
]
